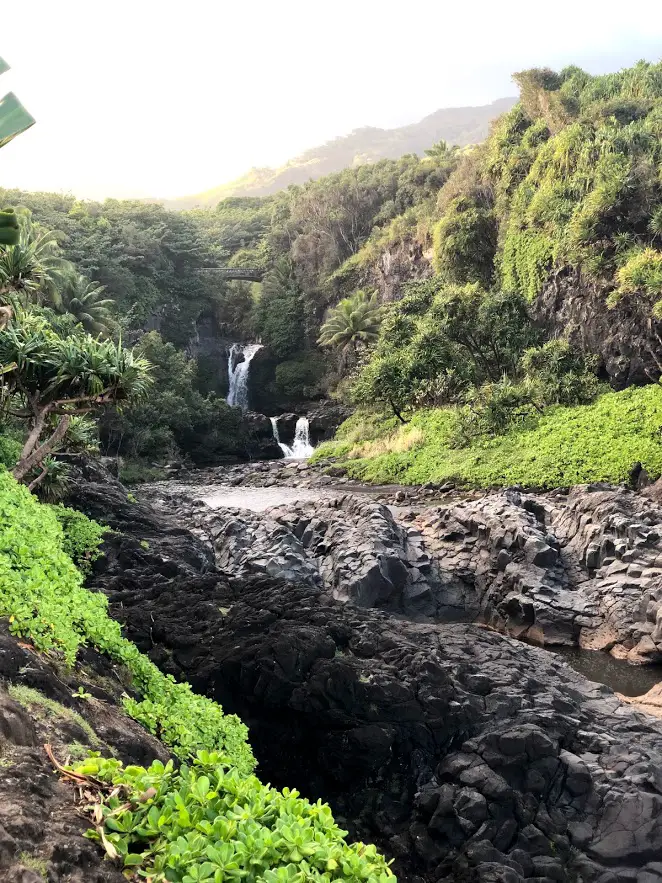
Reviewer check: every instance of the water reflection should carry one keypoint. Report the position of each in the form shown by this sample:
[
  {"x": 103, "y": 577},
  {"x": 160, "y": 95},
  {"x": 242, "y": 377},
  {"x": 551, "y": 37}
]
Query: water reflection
[
  {"x": 258, "y": 498},
  {"x": 596, "y": 665}
]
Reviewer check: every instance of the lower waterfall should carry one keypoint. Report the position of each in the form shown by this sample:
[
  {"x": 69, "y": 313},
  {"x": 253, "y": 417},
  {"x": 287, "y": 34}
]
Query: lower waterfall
[{"x": 301, "y": 447}]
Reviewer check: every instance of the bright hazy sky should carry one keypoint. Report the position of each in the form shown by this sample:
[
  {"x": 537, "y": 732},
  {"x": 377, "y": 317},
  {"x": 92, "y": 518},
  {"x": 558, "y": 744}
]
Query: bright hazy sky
[{"x": 162, "y": 98}]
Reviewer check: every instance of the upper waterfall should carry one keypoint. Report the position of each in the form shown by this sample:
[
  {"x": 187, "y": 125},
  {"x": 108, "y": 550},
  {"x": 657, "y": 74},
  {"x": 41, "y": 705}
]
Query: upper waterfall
[{"x": 238, "y": 369}]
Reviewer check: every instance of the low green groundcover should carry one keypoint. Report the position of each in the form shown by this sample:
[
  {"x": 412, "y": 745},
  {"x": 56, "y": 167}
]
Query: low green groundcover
[
  {"x": 566, "y": 446},
  {"x": 213, "y": 821},
  {"x": 206, "y": 822}
]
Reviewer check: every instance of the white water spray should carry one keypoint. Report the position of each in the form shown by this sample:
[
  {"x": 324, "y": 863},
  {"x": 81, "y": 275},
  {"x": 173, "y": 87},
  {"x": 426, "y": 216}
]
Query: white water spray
[
  {"x": 301, "y": 447},
  {"x": 238, "y": 373}
]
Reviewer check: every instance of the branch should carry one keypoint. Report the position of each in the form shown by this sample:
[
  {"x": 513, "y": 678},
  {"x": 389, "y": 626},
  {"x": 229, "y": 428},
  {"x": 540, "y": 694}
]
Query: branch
[
  {"x": 36, "y": 458},
  {"x": 38, "y": 480}
]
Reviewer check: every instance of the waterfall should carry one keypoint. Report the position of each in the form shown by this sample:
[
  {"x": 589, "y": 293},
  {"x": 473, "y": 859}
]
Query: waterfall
[
  {"x": 238, "y": 373},
  {"x": 301, "y": 447},
  {"x": 286, "y": 449}
]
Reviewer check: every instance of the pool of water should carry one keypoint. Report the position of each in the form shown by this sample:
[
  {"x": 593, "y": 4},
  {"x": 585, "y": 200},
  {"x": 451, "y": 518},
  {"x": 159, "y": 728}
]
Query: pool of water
[
  {"x": 596, "y": 665},
  {"x": 258, "y": 498}
]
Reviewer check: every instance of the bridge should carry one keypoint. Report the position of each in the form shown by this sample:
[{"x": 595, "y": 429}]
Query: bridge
[{"x": 246, "y": 274}]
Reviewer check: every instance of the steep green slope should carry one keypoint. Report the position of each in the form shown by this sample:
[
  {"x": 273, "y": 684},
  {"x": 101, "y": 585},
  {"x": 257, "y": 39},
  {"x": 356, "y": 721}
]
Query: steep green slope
[{"x": 569, "y": 179}]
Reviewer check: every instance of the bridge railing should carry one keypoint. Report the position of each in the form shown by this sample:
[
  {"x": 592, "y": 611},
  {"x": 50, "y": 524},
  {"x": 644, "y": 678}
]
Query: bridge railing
[{"x": 248, "y": 274}]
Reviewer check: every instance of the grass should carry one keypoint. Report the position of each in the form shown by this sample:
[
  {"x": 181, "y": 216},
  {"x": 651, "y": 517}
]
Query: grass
[
  {"x": 34, "y": 863},
  {"x": 566, "y": 446},
  {"x": 41, "y": 706}
]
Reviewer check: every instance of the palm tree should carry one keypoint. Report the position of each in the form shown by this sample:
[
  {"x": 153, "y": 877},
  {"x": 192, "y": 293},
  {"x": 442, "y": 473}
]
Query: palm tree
[
  {"x": 353, "y": 323},
  {"x": 82, "y": 298},
  {"x": 32, "y": 268}
]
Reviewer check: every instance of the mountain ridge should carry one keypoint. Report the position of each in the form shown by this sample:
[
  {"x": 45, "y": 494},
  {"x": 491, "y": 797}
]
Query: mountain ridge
[{"x": 457, "y": 125}]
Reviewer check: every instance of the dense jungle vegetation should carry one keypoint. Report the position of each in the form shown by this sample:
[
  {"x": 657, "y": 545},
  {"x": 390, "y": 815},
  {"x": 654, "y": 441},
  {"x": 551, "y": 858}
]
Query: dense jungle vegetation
[{"x": 567, "y": 185}]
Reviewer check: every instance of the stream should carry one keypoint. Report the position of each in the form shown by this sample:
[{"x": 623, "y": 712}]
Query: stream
[{"x": 601, "y": 667}]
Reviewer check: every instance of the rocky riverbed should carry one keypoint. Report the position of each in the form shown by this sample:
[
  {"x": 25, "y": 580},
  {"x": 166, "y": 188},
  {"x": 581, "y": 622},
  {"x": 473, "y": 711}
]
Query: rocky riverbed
[
  {"x": 375, "y": 648},
  {"x": 466, "y": 754},
  {"x": 571, "y": 568}
]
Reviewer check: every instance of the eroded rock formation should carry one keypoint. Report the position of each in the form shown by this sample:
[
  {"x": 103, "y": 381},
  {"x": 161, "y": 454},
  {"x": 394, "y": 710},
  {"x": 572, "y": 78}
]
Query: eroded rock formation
[
  {"x": 583, "y": 568},
  {"x": 467, "y": 755}
]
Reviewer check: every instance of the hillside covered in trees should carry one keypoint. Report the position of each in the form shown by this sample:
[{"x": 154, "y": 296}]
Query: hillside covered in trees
[
  {"x": 500, "y": 281},
  {"x": 543, "y": 283}
]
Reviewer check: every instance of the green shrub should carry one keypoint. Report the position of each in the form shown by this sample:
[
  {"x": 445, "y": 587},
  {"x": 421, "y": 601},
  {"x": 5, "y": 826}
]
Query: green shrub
[
  {"x": 10, "y": 450},
  {"x": 299, "y": 378},
  {"x": 206, "y": 822},
  {"x": 465, "y": 241},
  {"x": 565, "y": 446},
  {"x": 81, "y": 536},
  {"x": 42, "y": 595},
  {"x": 561, "y": 375},
  {"x": 642, "y": 274}
]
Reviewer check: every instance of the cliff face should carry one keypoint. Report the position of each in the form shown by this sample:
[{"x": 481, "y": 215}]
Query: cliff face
[{"x": 627, "y": 339}]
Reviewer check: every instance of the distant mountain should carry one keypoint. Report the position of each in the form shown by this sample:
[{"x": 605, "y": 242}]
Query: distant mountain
[{"x": 457, "y": 125}]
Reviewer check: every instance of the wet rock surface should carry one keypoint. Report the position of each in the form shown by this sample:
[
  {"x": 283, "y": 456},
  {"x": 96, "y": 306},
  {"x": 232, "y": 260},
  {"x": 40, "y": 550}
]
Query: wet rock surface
[
  {"x": 582, "y": 568},
  {"x": 468, "y": 756}
]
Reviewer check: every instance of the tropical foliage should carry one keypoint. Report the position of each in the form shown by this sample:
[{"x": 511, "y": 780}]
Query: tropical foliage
[
  {"x": 175, "y": 416},
  {"x": 48, "y": 379},
  {"x": 41, "y": 593},
  {"x": 566, "y": 445},
  {"x": 207, "y": 822},
  {"x": 352, "y": 324}
]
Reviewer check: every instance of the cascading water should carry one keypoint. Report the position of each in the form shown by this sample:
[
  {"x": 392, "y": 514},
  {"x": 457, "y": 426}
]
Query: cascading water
[
  {"x": 238, "y": 373},
  {"x": 301, "y": 447}
]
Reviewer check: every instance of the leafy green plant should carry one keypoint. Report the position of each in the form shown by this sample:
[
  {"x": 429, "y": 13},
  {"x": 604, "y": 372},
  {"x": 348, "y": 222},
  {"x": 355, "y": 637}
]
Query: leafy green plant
[
  {"x": 206, "y": 822},
  {"x": 599, "y": 441},
  {"x": 352, "y": 323},
  {"x": 41, "y": 594},
  {"x": 81, "y": 536},
  {"x": 642, "y": 274},
  {"x": 56, "y": 377}
]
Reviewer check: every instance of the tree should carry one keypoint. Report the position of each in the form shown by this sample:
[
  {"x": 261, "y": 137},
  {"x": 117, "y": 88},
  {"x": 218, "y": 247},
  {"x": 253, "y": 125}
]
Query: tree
[
  {"x": 82, "y": 298},
  {"x": 176, "y": 419},
  {"x": 32, "y": 268},
  {"x": 279, "y": 311},
  {"x": 48, "y": 379},
  {"x": 442, "y": 150},
  {"x": 352, "y": 324}
]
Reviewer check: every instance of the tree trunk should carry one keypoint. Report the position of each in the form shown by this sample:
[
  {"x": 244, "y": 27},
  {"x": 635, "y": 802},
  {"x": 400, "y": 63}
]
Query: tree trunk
[
  {"x": 397, "y": 412},
  {"x": 29, "y": 460}
]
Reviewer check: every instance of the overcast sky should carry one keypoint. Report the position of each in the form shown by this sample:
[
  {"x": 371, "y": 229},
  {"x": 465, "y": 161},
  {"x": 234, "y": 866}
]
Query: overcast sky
[{"x": 161, "y": 98}]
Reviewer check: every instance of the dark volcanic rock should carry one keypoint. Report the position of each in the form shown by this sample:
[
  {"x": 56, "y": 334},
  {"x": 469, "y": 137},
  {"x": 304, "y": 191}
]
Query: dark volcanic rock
[
  {"x": 324, "y": 419},
  {"x": 626, "y": 338},
  {"x": 583, "y": 568},
  {"x": 467, "y": 755},
  {"x": 261, "y": 444},
  {"x": 39, "y": 820}
]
